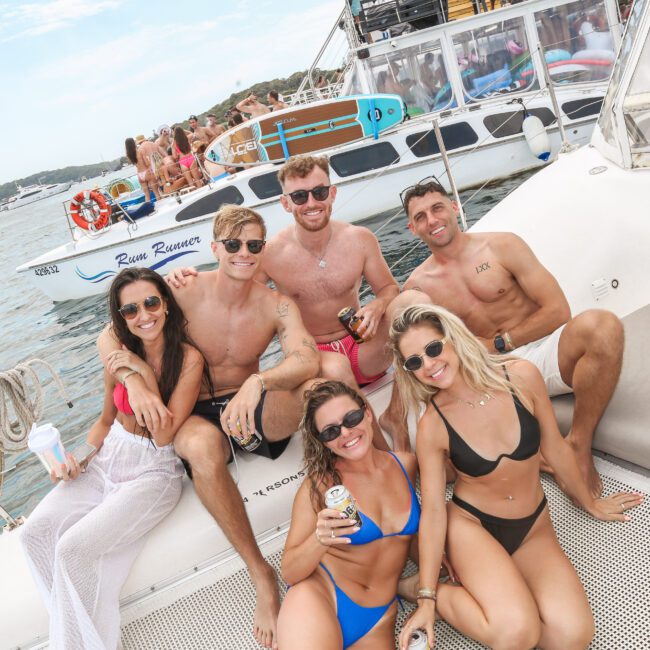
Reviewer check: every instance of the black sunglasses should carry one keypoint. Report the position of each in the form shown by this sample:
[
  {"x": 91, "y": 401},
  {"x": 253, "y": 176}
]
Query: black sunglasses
[
  {"x": 435, "y": 184},
  {"x": 350, "y": 419},
  {"x": 300, "y": 197},
  {"x": 416, "y": 361},
  {"x": 130, "y": 310},
  {"x": 254, "y": 246}
]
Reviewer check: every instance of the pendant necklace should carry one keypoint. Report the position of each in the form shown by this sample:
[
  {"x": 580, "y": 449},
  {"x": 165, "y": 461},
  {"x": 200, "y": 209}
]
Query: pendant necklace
[
  {"x": 321, "y": 258},
  {"x": 484, "y": 399}
]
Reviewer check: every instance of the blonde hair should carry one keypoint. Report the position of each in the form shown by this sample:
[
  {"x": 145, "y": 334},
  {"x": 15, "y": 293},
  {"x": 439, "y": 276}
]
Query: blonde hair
[
  {"x": 301, "y": 166},
  {"x": 230, "y": 219},
  {"x": 481, "y": 371}
]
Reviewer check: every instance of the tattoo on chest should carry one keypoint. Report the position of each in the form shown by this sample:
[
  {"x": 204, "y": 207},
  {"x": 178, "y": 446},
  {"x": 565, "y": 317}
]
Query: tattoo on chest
[
  {"x": 282, "y": 309},
  {"x": 483, "y": 267}
]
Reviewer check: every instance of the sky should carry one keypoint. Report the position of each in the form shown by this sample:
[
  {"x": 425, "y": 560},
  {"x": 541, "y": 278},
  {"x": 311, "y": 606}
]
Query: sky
[{"x": 77, "y": 77}]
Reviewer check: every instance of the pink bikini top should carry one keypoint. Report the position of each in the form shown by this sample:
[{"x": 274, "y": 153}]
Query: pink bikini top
[{"x": 121, "y": 399}]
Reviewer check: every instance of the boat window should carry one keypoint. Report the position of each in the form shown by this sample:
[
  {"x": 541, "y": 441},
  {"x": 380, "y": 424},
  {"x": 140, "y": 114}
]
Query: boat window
[
  {"x": 495, "y": 60},
  {"x": 458, "y": 135},
  {"x": 364, "y": 159},
  {"x": 211, "y": 203},
  {"x": 578, "y": 108},
  {"x": 577, "y": 41},
  {"x": 24, "y": 196},
  {"x": 418, "y": 74},
  {"x": 501, "y": 125},
  {"x": 265, "y": 186}
]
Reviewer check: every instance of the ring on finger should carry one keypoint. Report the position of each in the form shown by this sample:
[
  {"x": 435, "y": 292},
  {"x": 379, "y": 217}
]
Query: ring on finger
[{"x": 332, "y": 533}]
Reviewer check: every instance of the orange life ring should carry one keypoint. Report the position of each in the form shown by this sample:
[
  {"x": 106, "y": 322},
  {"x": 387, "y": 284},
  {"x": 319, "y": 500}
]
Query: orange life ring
[{"x": 76, "y": 212}]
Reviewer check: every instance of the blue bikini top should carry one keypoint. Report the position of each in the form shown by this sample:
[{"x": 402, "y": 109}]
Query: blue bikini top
[{"x": 370, "y": 532}]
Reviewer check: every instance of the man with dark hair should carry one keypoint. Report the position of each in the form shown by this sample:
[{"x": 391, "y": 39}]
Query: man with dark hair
[
  {"x": 275, "y": 101},
  {"x": 252, "y": 106},
  {"x": 213, "y": 127},
  {"x": 199, "y": 132},
  {"x": 494, "y": 282}
]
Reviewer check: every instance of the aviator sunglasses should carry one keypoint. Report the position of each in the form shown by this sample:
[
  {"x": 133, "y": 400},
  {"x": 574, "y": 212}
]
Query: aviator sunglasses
[
  {"x": 333, "y": 431},
  {"x": 429, "y": 180},
  {"x": 254, "y": 246},
  {"x": 300, "y": 197},
  {"x": 416, "y": 361},
  {"x": 131, "y": 309}
]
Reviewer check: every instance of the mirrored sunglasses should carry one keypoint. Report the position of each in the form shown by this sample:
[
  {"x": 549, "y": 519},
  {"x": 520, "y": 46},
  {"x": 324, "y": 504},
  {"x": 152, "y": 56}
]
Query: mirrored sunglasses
[
  {"x": 416, "y": 361},
  {"x": 350, "y": 420},
  {"x": 150, "y": 304},
  {"x": 254, "y": 246},
  {"x": 300, "y": 197}
]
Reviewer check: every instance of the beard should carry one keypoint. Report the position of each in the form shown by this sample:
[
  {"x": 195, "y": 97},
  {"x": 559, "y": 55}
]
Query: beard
[{"x": 313, "y": 226}]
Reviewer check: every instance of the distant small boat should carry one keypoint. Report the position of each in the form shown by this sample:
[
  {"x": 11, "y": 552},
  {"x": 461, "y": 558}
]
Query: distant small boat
[{"x": 33, "y": 193}]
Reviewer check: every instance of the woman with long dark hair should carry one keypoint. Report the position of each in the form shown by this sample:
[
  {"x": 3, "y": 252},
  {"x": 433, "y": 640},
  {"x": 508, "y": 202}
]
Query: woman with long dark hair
[
  {"x": 83, "y": 537},
  {"x": 186, "y": 159},
  {"x": 344, "y": 574},
  {"x": 491, "y": 417}
]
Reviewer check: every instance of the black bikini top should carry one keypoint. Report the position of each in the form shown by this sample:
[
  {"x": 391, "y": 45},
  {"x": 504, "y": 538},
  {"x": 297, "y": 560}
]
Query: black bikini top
[{"x": 467, "y": 461}]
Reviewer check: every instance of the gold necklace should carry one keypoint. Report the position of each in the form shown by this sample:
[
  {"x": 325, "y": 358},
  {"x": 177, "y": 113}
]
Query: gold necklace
[
  {"x": 484, "y": 399},
  {"x": 321, "y": 258}
]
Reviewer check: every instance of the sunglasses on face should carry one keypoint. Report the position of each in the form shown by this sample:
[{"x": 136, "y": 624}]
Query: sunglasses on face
[
  {"x": 131, "y": 309},
  {"x": 350, "y": 420},
  {"x": 416, "y": 361},
  {"x": 300, "y": 197},
  {"x": 254, "y": 246},
  {"x": 404, "y": 195}
]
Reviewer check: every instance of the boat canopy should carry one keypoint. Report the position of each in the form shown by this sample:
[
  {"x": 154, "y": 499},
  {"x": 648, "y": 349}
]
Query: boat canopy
[
  {"x": 623, "y": 130},
  {"x": 469, "y": 61}
]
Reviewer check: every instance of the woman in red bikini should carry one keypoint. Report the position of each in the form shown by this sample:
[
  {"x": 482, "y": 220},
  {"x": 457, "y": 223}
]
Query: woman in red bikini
[
  {"x": 84, "y": 536},
  {"x": 182, "y": 151}
]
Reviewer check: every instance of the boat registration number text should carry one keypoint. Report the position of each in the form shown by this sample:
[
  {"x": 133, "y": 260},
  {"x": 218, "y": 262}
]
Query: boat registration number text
[{"x": 50, "y": 269}]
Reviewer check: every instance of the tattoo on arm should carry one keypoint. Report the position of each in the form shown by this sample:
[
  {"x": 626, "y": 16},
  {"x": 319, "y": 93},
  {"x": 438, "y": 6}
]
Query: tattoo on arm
[
  {"x": 310, "y": 344},
  {"x": 297, "y": 355},
  {"x": 282, "y": 309}
]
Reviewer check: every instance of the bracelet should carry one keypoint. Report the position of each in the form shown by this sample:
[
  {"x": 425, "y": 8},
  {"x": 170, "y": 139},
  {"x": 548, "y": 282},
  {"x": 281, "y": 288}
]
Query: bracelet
[
  {"x": 261, "y": 380},
  {"x": 426, "y": 594},
  {"x": 508, "y": 340},
  {"x": 127, "y": 375}
]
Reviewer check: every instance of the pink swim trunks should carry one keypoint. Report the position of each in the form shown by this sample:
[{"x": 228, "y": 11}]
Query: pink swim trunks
[{"x": 349, "y": 348}]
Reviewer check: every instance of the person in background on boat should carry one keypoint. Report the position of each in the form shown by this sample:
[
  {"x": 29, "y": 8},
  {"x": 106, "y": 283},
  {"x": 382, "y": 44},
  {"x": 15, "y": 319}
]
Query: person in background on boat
[
  {"x": 275, "y": 102},
  {"x": 182, "y": 152},
  {"x": 252, "y": 106},
  {"x": 233, "y": 318},
  {"x": 146, "y": 177},
  {"x": 517, "y": 587},
  {"x": 232, "y": 111},
  {"x": 83, "y": 537},
  {"x": 355, "y": 10},
  {"x": 213, "y": 127},
  {"x": 171, "y": 176},
  {"x": 494, "y": 282},
  {"x": 200, "y": 133},
  {"x": 344, "y": 577}
]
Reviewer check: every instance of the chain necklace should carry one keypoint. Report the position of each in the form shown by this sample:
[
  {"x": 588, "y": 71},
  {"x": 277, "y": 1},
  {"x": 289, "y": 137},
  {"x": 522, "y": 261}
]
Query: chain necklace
[
  {"x": 321, "y": 258},
  {"x": 482, "y": 401}
]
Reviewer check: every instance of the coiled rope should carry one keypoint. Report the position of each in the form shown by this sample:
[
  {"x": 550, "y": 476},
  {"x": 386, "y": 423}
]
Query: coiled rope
[{"x": 22, "y": 393}]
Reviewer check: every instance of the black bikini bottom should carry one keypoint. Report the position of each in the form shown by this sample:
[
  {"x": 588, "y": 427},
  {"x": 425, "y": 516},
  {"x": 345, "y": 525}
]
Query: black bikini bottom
[{"x": 510, "y": 533}]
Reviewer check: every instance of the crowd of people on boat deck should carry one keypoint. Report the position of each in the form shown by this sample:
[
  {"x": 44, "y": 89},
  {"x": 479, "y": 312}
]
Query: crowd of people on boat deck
[
  {"x": 175, "y": 158},
  {"x": 479, "y": 337}
]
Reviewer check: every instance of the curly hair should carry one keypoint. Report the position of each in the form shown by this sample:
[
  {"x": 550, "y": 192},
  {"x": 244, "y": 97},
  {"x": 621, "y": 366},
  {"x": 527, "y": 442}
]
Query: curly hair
[
  {"x": 480, "y": 370},
  {"x": 319, "y": 460}
]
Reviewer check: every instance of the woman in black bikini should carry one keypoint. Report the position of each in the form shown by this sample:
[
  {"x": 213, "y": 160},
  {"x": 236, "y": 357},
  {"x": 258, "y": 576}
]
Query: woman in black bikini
[{"x": 519, "y": 589}]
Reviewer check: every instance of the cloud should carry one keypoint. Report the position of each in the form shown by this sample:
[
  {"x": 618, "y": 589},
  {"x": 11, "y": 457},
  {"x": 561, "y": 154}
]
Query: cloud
[{"x": 32, "y": 19}]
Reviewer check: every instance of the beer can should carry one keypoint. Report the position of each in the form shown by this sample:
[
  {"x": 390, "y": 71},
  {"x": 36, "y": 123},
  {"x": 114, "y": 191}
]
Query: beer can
[
  {"x": 351, "y": 322},
  {"x": 418, "y": 641},
  {"x": 251, "y": 442},
  {"x": 339, "y": 498}
]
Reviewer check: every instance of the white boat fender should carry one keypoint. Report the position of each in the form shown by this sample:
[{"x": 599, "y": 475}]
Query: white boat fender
[{"x": 536, "y": 136}]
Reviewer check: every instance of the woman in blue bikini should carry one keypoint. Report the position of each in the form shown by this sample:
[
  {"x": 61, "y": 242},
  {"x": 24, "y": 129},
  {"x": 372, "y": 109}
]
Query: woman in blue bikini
[
  {"x": 344, "y": 578},
  {"x": 491, "y": 417}
]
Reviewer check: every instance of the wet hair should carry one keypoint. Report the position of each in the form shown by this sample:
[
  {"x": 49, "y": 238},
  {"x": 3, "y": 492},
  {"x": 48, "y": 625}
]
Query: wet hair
[
  {"x": 131, "y": 150},
  {"x": 320, "y": 460},
  {"x": 180, "y": 138},
  {"x": 301, "y": 166},
  {"x": 480, "y": 370},
  {"x": 420, "y": 189},
  {"x": 174, "y": 329},
  {"x": 230, "y": 220},
  {"x": 274, "y": 95}
]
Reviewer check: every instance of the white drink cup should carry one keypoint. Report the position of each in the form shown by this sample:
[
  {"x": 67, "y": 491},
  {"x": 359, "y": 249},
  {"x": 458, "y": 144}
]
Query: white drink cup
[{"x": 45, "y": 442}]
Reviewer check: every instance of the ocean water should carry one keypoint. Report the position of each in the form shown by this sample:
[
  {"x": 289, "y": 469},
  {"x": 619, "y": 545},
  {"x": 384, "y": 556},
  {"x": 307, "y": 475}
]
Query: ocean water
[{"x": 64, "y": 334}]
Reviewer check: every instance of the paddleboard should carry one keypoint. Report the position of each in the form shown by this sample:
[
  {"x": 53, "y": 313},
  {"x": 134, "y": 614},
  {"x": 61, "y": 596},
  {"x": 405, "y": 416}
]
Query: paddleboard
[{"x": 307, "y": 128}]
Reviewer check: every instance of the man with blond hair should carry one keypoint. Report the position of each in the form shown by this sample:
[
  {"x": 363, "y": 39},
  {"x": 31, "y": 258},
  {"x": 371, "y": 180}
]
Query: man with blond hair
[{"x": 232, "y": 319}]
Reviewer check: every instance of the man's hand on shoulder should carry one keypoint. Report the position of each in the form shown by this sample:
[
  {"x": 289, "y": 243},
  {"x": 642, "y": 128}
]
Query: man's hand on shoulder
[{"x": 178, "y": 277}]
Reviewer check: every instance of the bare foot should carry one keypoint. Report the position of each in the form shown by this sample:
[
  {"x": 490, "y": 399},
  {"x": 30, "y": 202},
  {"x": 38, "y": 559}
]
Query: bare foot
[
  {"x": 407, "y": 588},
  {"x": 396, "y": 430},
  {"x": 266, "y": 609}
]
